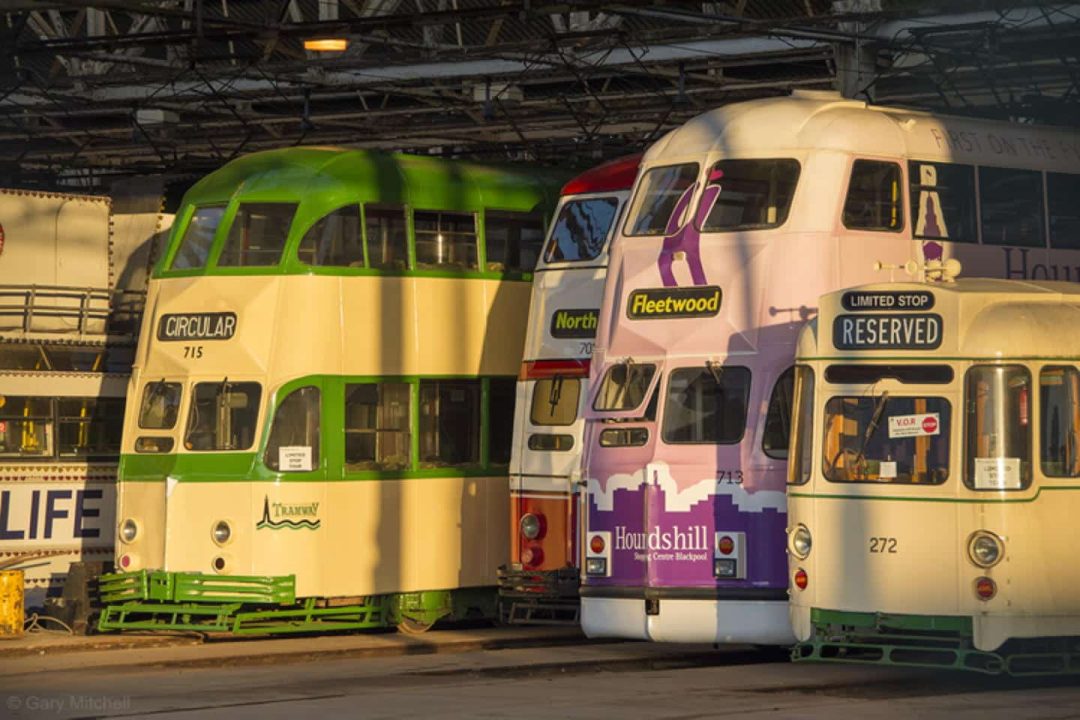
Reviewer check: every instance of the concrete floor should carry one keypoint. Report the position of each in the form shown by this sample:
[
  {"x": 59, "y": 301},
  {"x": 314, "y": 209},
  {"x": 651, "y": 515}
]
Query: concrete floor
[{"x": 628, "y": 680}]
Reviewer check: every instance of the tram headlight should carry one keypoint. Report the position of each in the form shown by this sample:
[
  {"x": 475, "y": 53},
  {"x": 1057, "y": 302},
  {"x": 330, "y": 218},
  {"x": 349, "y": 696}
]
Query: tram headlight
[
  {"x": 532, "y": 526},
  {"x": 128, "y": 530},
  {"x": 801, "y": 542},
  {"x": 985, "y": 549},
  {"x": 222, "y": 532}
]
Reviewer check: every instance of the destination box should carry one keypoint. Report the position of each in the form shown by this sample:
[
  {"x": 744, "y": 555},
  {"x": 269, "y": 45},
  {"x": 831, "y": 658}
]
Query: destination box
[
  {"x": 887, "y": 332},
  {"x": 887, "y": 300},
  {"x": 576, "y": 323},
  {"x": 676, "y": 302},
  {"x": 197, "y": 326}
]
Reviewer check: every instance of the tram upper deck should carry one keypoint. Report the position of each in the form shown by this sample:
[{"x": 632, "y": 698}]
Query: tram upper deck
[{"x": 933, "y": 471}]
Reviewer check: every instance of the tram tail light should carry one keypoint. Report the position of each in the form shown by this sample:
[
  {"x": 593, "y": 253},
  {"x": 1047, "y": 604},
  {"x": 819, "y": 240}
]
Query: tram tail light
[
  {"x": 598, "y": 554},
  {"x": 801, "y": 579},
  {"x": 985, "y": 588},
  {"x": 532, "y": 557},
  {"x": 729, "y": 555}
]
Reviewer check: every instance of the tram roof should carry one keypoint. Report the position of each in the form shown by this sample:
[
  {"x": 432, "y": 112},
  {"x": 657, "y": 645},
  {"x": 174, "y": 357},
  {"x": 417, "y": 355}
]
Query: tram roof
[
  {"x": 366, "y": 175},
  {"x": 982, "y": 318},
  {"x": 823, "y": 120}
]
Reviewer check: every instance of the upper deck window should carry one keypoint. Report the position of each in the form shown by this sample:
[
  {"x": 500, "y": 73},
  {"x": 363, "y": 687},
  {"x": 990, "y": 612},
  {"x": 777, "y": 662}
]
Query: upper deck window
[
  {"x": 753, "y": 194},
  {"x": 886, "y": 439},
  {"x": 581, "y": 230},
  {"x": 874, "y": 200},
  {"x": 624, "y": 386},
  {"x": 513, "y": 240},
  {"x": 706, "y": 405},
  {"x": 658, "y": 197},
  {"x": 223, "y": 415},
  {"x": 942, "y": 201},
  {"x": 1011, "y": 202},
  {"x": 387, "y": 236},
  {"x": 1059, "y": 421},
  {"x": 1062, "y": 192},
  {"x": 257, "y": 235},
  {"x": 198, "y": 238},
  {"x": 335, "y": 240},
  {"x": 998, "y": 401},
  {"x": 445, "y": 239}
]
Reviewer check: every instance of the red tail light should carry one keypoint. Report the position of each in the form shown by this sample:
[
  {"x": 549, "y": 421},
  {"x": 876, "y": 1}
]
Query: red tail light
[
  {"x": 801, "y": 579},
  {"x": 726, "y": 545},
  {"x": 596, "y": 544},
  {"x": 125, "y": 561},
  {"x": 985, "y": 588},
  {"x": 532, "y": 556},
  {"x": 541, "y": 369}
]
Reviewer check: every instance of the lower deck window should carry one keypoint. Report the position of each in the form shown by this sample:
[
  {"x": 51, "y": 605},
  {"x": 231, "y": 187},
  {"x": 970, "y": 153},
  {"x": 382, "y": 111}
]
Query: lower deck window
[
  {"x": 998, "y": 400},
  {"x": 223, "y": 416},
  {"x": 800, "y": 464},
  {"x": 706, "y": 405},
  {"x": 1059, "y": 421},
  {"x": 886, "y": 439},
  {"x": 294, "y": 436},
  {"x": 449, "y": 422},
  {"x": 501, "y": 396},
  {"x": 377, "y": 422},
  {"x": 26, "y": 427}
]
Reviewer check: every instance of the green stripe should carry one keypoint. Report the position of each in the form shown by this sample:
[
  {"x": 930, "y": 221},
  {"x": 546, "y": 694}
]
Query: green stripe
[{"x": 893, "y": 498}]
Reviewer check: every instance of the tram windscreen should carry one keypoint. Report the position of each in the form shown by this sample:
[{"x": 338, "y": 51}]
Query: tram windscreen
[
  {"x": 658, "y": 199},
  {"x": 581, "y": 229},
  {"x": 886, "y": 439},
  {"x": 624, "y": 386},
  {"x": 706, "y": 405},
  {"x": 257, "y": 235},
  {"x": 198, "y": 238},
  {"x": 223, "y": 416},
  {"x": 753, "y": 194},
  {"x": 160, "y": 405}
]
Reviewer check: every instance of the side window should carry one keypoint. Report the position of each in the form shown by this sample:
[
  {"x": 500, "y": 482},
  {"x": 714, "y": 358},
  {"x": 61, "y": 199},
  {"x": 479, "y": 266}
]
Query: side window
[
  {"x": 555, "y": 401},
  {"x": 1012, "y": 207},
  {"x": 445, "y": 239},
  {"x": 198, "y": 238},
  {"x": 89, "y": 427},
  {"x": 749, "y": 194},
  {"x": 1059, "y": 421},
  {"x": 501, "y": 396},
  {"x": 774, "y": 440},
  {"x": 449, "y": 422},
  {"x": 387, "y": 237},
  {"x": 942, "y": 201},
  {"x": 293, "y": 445},
  {"x": 513, "y": 240},
  {"x": 334, "y": 240},
  {"x": 998, "y": 400},
  {"x": 257, "y": 235},
  {"x": 160, "y": 405},
  {"x": 377, "y": 426},
  {"x": 1062, "y": 192},
  {"x": 875, "y": 200},
  {"x": 802, "y": 453},
  {"x": 26, "y": 427},
  {"x": 222, "y": 416}
]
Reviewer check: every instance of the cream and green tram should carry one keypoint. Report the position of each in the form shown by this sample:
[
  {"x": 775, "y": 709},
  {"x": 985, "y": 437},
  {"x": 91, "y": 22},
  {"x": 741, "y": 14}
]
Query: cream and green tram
[
  {"x": 322, "y": 402},
  {"x": 934, "y": 480}
]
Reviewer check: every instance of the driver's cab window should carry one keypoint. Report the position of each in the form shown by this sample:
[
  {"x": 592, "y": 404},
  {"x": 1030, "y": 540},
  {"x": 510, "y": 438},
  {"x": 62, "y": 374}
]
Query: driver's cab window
[{"x": 223, "y": 416}]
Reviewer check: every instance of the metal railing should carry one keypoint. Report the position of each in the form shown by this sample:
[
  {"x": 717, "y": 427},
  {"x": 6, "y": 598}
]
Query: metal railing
[{"x": 63, "y": 309}]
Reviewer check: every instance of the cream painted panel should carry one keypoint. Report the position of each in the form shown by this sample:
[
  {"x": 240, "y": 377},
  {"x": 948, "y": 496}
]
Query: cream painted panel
[{"x": 143, "y": 502}]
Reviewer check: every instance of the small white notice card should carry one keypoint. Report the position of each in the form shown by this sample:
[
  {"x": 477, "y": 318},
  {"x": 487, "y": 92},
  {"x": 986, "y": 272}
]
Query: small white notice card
[
  {"x": 997, "y": 473},
  {"x": 294, "y": 458},
  {"x": 887, "y": 469}
]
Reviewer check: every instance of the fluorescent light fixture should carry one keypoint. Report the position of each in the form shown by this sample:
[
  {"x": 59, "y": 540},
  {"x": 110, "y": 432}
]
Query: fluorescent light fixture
[{"x": 326, "y": 44}]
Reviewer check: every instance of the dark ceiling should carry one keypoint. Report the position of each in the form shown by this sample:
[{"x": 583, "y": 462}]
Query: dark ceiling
[{"x": 92, "y": 90}]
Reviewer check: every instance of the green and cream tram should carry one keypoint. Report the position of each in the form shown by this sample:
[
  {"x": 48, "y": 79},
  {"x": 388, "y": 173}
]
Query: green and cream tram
[
  {"x": 934, "y": 480},
  {"x": 322, "y": 403}
]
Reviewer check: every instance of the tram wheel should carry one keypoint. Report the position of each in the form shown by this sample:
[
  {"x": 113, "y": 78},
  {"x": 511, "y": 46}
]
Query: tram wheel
[{"x": 409, "y": 626}]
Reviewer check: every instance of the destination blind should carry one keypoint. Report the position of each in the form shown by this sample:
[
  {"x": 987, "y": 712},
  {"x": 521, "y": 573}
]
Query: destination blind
[
  {"x": 197, "y": 326},
  {"x": 887, "y": 332},
  {"x": 676, "y": 302}
]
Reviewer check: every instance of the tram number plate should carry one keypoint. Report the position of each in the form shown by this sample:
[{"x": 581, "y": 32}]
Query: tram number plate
[
  {"x": 193, "y": 351},
  {"x": 883, "y": 545},
  {"x": 729, "y": 477}
]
